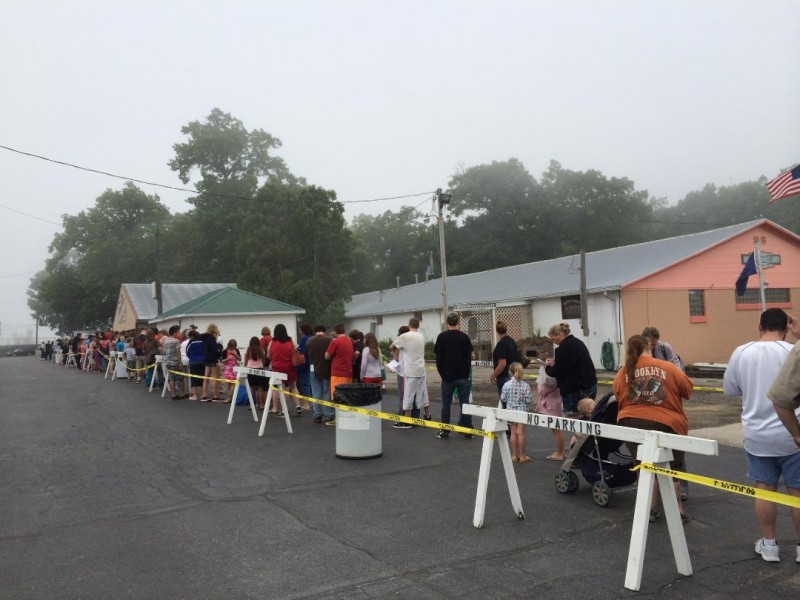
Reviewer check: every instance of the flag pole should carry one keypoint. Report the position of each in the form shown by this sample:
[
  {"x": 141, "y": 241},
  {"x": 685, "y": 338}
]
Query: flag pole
[{"x": 757, "y": 257}]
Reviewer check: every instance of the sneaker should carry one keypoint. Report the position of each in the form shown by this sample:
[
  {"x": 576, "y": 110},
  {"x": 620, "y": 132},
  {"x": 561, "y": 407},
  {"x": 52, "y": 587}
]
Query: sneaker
[
  {"x": 399, "y": 425},
  {"x": 318, "y": 419},
  {"x": 685, "y": 517},
  {"x": 768, "y": 553},
  {"x": 654, "y": 515},
  {"x": 443, "y": 435},
  {"x": 331, "y": 422},
  {"x": 467, "y": 436},
  {"x": 429, "y": 417}
]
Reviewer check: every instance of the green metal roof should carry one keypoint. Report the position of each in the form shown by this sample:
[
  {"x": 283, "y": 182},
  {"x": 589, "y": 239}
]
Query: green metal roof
[{"x": 229, "y": 301}]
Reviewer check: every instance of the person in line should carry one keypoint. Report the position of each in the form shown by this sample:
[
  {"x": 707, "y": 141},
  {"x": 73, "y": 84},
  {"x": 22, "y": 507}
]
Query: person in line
[
  {"x": 279, "y": 353},
  {"x": 572, "y": 367},
  {"x": 663, "y": 351},
  {"x": 454, "y": 351},
  {"x": 785, "y": 390},
  {"x": 550, "y": 405},
  {"x": 415, "y": 393},
  {"x": 151, "y": 348},
  {"x": 650, "y": 393},
  {"x": 304, "y": 371},
  {"x": 213, "y": 353},
  {"x": 371, "y": 361},
  {"x": 254, "y": 359},
  {"x": 358, "y": 347},
  {"x": 320, "y": 374},
  {"x": 770, "y": 451},
  {"x": 340, "y": 353},
  {"x": 505, "y": 352},
  {"x": 196, "y": 353},
  {"x": 172, "y": 361},
  {"x": 266, "y": 338},
  {"x": 396, "y": 352},
  {"x": 516, "y": 395},
  {"x": 230, "y": 359}
]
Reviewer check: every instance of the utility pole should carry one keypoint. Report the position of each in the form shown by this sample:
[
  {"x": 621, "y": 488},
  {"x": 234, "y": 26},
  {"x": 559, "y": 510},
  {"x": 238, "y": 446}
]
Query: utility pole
[
  {"x": 441, "y": 200},
  {"x": 159, "y": 303},
  {"x": 584, "y": 296}
]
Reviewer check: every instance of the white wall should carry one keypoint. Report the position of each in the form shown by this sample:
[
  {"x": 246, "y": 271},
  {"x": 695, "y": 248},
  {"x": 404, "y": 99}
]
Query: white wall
[
  {"x": 238, "y": 327},
  {"x": 603, "y": 322},
  {"x": 430, "y": 325}
]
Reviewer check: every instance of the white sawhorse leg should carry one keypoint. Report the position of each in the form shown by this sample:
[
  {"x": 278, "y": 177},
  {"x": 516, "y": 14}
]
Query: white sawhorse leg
[
  {"x": 273, "y": 383},
  {"x": 111, "y": 366},
  {"x": 499, "y": 428},
  {"x": 649, "y": 452},
  {"x": 165, "y": 375},
  {"x": 236, "y": 395}
]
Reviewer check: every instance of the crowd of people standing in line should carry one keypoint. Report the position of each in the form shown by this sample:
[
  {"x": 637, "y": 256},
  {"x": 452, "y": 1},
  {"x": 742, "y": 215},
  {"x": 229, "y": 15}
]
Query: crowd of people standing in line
[{"x": 650, "y": 388}]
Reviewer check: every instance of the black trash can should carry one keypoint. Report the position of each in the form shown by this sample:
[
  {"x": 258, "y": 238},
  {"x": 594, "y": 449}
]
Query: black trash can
[{"x": 358, "y": 436}]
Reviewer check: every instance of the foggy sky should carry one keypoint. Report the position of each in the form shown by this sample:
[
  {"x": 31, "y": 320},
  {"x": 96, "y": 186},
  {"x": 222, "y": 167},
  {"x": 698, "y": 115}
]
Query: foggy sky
[{"x": 376, "y": 99}]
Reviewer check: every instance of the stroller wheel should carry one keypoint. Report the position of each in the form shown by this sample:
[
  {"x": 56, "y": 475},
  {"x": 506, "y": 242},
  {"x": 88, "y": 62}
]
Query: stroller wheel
[
  {"x": 601, "y": 493},
  {"x": 566, "y": 482}
]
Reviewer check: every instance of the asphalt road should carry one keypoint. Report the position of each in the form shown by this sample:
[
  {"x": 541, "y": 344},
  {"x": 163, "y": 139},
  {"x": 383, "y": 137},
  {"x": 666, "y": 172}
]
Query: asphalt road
[{"x": 109, "y": 491}]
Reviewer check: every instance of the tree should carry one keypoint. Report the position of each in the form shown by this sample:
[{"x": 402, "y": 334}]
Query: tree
[
  {"x": 391, "y": 245},
  {"x": 256, "y": 224},
  {"x": 98, "y": 250}
]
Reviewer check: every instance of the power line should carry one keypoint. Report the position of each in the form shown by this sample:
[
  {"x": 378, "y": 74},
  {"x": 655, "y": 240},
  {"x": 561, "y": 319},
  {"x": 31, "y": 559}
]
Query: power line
[
  {"x": 27, "y": 215},
  {"x": 179, "y": 189}
]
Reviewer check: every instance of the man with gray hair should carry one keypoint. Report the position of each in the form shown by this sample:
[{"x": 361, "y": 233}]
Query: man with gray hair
[{"x": 453, "y": 351}]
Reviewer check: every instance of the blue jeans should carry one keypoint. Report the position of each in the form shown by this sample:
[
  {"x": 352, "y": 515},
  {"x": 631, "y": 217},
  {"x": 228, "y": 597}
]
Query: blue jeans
[
  {"x": 304, "y": 384},
  {"x": 570, "y": 399},
  {"x": 321, "y": 390},
  {"x": 448, "y": 387},
  {"x": 501, "y": 381},
  {"x": 400, "y": 390}
]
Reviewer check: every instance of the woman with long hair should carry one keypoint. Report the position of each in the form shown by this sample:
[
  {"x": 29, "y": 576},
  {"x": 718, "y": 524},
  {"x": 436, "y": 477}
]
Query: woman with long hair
[
  {"x": 211, "y": 360},
  {"x": 371, "y": 362},
  {"x": 279, "y": 353},
  {"x": 254, "y": 359},
  {"x": 650, "y": 393}
]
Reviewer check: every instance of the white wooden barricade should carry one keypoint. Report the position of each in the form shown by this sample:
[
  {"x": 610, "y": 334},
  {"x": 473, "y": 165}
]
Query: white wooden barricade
[
  {"x": 88, "y": 359},
  {"x": 164, "y": 373},
  {"x": 57, "y": 356},
  {"x": 70, "y": 360},
  {"x": 275, "y": 379},
  {"x": 111, "y": 367},
  {"x": 159, "y": 361},
  {"x": 654, "y": 447}
]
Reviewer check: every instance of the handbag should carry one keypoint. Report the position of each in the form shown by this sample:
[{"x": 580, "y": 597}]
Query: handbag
[{"x": 298, "y": 358}]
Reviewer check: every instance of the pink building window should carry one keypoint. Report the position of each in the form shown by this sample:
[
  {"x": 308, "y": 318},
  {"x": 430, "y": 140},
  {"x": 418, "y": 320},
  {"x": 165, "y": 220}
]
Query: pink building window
[{"x": 697, "y": 306}]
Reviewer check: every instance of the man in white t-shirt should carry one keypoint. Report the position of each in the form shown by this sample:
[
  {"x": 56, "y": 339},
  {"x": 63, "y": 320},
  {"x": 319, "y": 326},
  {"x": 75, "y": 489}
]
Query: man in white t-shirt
[
  {"x": 770, "y": 450},
  {"x": 412, "y": 358}
]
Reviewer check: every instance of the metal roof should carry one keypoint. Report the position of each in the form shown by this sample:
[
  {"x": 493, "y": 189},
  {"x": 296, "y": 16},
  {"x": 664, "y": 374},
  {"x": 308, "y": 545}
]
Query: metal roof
[
  {"x": 172, "y": 295},
  {"x": 229, "y": 301},
  {"x": 605, "y": 270}
]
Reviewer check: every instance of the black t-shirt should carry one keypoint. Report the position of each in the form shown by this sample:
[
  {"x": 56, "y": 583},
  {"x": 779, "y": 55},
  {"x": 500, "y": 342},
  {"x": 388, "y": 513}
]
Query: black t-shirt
[
  {"x": 453, "y": 351},
  {"x": 505, "y": 348}
]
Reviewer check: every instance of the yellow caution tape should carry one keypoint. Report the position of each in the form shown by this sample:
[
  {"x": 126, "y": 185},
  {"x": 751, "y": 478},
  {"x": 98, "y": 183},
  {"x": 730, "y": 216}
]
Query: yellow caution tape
[
  {"x": 190, "y": 376},
  {"x": 727, "y": 486},
  {"x": 393, "y": 417}
]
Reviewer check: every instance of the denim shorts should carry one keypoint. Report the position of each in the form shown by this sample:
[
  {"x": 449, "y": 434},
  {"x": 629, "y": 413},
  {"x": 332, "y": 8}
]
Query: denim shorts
[{"x": 769, "y": 469}]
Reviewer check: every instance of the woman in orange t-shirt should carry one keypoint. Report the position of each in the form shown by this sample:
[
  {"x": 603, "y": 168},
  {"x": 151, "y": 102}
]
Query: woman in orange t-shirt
[{"x": 650, "y": 393}]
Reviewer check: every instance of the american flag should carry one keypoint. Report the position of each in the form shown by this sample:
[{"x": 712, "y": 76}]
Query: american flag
[{"x": 784, "y": 185}]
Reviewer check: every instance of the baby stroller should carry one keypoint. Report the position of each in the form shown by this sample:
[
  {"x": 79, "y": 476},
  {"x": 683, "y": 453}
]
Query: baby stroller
[{"x": 590, "y": 454}]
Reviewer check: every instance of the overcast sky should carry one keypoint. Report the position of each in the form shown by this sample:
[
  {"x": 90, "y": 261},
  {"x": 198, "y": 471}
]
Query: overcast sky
[{"x": 376, "y": 99}]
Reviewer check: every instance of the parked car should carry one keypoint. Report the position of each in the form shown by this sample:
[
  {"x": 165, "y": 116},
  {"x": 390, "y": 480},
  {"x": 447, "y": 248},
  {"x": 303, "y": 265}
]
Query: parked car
[{"x": 21, "y": 352}]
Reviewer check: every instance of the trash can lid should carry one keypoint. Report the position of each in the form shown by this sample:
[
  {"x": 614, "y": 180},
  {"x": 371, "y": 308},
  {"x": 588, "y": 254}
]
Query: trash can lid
[{"x": 358, "y": 394}]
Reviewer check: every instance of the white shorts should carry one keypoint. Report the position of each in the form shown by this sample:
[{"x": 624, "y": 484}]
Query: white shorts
[{"x": 415, "y": 392}]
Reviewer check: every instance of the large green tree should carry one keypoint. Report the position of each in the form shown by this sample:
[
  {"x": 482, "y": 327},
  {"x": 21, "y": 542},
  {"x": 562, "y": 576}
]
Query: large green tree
[
  {"x": 256, "y": 224},
  {"x": 392, "y": 245},
  {"x": 99, "y": 249}
]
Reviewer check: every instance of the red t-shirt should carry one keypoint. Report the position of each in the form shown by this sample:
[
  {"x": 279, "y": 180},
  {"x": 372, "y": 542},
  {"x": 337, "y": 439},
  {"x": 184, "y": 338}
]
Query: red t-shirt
[{"x": 341, "y": 353}]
